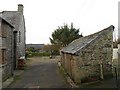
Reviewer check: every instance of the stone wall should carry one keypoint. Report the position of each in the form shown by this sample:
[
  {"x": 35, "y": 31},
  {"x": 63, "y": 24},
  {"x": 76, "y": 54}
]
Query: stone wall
[
  {"x": 0, "y": 56},
  {"x": 16, "y": 18},
  {"x": 92, "y": 62},
  {"x": 21, "y": 40},
  {"x": 6, "y": 50},
  {"x": 97, "y": 54}
]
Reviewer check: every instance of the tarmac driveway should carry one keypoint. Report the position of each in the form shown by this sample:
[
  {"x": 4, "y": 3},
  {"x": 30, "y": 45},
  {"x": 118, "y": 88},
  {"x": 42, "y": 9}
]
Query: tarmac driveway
[{"x": 41, "y": 72}]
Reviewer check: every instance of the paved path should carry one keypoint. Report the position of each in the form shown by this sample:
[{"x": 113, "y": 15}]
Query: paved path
[{"x": 40, "y": 73}]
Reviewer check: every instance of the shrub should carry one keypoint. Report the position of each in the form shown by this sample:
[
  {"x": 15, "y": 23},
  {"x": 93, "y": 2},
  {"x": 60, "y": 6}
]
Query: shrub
[{"x": 31, "y": 54}]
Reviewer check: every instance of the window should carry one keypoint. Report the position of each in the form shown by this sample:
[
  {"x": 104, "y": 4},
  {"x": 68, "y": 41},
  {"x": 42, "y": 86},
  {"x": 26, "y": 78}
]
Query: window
[
  {"x": 19, "y": 36},
  {"x": 3, "y": 30},
  {"x": 3, "y": 56}
]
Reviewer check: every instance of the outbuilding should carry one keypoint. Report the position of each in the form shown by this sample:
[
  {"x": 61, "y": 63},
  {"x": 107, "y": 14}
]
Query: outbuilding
[{"x": 89, "y": 58}]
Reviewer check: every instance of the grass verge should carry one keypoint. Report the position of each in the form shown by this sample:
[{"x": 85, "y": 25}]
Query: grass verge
[{"x": 64, "y": 74}]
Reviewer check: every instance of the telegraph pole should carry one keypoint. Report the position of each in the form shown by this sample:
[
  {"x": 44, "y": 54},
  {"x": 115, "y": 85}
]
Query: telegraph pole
[{"x": 118, "y": 66}]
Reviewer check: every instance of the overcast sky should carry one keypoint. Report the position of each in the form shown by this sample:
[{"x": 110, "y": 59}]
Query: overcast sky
[{"x": 42, "y": 17}]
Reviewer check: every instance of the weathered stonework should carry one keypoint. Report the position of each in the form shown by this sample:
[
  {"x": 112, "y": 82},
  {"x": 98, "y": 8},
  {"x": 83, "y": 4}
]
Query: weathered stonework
[
  {"x": 89, "y": 58},
  {"x": 16, "y": 18},
  {"x": 6, "y": 49},
  {"x": 12, "y": 41}
]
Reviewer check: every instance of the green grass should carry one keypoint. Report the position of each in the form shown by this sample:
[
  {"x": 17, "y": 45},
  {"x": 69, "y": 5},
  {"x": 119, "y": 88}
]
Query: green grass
[
  {"x": 31, "y": 54},
  {"x": 63, "y": 73},
  {"x": 17, "y": 77}
]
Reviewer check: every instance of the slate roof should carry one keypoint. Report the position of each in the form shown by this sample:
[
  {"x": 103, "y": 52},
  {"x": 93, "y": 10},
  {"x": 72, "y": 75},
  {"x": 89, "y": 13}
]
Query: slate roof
[
  {"x": 13, "y": 17},
  {"x": 78, "y": 44},
  {"x": 6, "y": 22}
]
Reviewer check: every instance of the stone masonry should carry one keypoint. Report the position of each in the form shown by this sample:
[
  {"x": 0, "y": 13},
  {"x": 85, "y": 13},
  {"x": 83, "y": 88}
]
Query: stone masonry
[
  {"x": 6, "y": 49},
  {"x": 89, "y": 58},
  {"x": 16, "y": 18}
]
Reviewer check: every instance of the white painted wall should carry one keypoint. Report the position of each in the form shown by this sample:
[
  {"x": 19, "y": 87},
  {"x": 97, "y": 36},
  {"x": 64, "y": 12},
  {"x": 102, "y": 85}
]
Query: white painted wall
[
  {"x": 115, "y": 57},
  {"x": 115, "y": 53}
]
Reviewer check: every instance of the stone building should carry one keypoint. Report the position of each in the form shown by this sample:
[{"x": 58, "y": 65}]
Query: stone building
[
  {"x": 89, "y": 58},
  {"x": 12, "y": 41},
  {"x": 16, "y": 18},
  {"x": 6, "y": 49}
]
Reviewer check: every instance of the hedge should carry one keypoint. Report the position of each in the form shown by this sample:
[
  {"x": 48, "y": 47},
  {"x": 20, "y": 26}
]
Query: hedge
[{"x": 31, "y": 54}]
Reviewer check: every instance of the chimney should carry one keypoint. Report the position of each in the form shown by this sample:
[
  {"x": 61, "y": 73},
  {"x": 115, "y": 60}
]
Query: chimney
[{"x": 20, "y": 8}]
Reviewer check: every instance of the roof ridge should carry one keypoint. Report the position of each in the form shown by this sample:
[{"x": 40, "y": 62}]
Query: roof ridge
[
  {"x": 7, "y": 22},
  {"x": 98, "y": 35},
  {"x": 87, "y": 43},
  {"x": 82, "y": 42}
]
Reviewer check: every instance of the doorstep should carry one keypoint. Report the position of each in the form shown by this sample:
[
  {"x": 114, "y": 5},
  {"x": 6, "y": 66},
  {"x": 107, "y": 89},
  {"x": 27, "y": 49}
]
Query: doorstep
[{"x": 6, "y": 83}]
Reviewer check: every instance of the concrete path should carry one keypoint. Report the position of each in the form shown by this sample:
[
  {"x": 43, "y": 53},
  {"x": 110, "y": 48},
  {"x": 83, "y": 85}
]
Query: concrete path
[{"x": 40, "y": 73}]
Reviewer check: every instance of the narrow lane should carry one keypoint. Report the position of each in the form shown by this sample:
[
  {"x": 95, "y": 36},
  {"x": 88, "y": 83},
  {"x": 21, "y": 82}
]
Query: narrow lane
[{"x": 41, "y": 73}]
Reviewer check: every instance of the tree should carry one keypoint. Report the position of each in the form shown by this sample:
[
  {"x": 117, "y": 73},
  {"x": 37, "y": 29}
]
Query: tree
[
  {"x": 31, "y": 49},
  {"x": 53, "y": 49},
  {"x": 64, "y": 35}
]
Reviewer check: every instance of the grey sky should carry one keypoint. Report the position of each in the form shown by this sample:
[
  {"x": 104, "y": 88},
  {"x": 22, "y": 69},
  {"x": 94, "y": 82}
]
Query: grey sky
[{"x": 44, "y": 16}]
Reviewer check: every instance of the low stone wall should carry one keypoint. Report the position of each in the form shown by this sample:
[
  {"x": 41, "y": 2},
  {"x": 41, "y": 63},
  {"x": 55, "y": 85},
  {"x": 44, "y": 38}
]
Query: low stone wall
[{"x": 7, "y": 71}]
